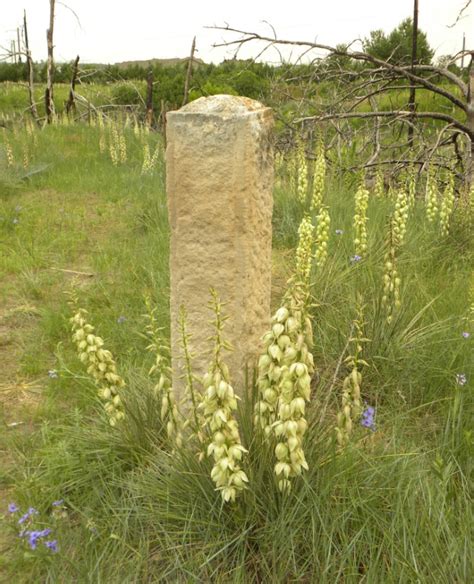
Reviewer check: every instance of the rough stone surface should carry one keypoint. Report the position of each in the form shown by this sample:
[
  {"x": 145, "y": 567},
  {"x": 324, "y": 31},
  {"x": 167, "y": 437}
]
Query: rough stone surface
[{"x": 219, "y": 166}]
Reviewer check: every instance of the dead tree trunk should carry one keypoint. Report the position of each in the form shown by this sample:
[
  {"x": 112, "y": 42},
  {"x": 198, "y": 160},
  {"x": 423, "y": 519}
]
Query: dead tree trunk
[
  {"x": 18, "y": 44},
  {"x": 149, "y": 100},
  {"x": 470, "y": 121},
  {"x": 71, "y": 102},
  {"x": 189, "y": 72},
  {"x": 48, "y": 96},
  {"x": 414, "y": 47},
  {"x": 163, "y": 120},
  {"x": 29, "y": 64}
]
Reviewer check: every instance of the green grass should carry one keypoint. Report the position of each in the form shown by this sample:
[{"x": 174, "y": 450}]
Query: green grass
[{"x": 395, "y": 507}]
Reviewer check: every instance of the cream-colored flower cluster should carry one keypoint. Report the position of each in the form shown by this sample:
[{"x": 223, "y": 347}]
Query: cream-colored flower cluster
[
  {"x": 218, "y": 406},
  {"x": 323, "y": 222},
  {"x": 360, "y": 219},
  {"x": 114, "y": 145},
  {"x": 391, "y": 280},
  {"x": 304, "y": 249},
  {"x": 117, "y": 145},
  {"x": 150, "y": 162},
  {"x": 100, "y": 365},
  {"x": 447, "y": 205},
  {"x": 319, "y": 178},
  {"x": 294, "y": 389},
  {"x": 431, "y": 195},
  {"x": 102, "y": 134},
  {"x": 31, "y": 132},
  {"x": 411, "y": 186},
  {"x": 302, "y": 190},
  {"x": 379, "y": 187},
  {"x": 284, "y": 378},
  {"x": 400, "y": 216},
  {"x": 169, "y": 412},
  {"x": 285, "y": 369},
  {"x": 351, "y": 406},
  {"x": 8, "y": 150}
]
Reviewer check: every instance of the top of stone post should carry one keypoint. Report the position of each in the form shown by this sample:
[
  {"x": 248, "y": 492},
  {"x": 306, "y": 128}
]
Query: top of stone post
[{"x": 223, "y": 106}]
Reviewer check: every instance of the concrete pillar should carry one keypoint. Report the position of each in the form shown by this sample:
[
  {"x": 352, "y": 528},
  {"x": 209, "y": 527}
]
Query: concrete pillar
[{"x": 219, "y": 180}]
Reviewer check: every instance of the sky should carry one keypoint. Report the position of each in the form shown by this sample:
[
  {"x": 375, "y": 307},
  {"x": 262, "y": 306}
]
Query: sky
[{"x": 107, "y": 31}]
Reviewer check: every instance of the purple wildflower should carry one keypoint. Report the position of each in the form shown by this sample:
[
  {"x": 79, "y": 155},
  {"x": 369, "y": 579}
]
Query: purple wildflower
[
  {"x": 13, "y": 508},
  {"x": 57, "y": 503},
  {"x": 461, "y": 379},
  {"x": 35, "y": 535},
  {"x": 53, "y": 374},
  {"x": 31, "y": 511},
  {"x": 466, "y": 335},
  {"x": 121, "y": 319},
  {"x": 355, "y": 258},
  {"x": 23, "y": 518},
  {"x": 368, "y": 418},
  {"x": 52, "y": 545}
]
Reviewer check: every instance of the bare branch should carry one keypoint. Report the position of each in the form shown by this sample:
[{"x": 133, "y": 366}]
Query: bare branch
[
  {"x": 403, "y": 116},
  {"x": 460, "y": 13},
  {"x": 341, "y": 52}
]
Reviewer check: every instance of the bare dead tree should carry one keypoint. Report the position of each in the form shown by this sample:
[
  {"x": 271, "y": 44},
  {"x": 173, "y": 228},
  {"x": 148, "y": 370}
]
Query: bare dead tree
[
  {"x": 189, "y": 72},
  {"x": 48, "y": 96},
  {"x": 149, "y": 99},
  {"x": 71, "y": 102},
  {"x": 385, "y": 76},
  {"x": 18, "y": 44},
  {"x": 30, "y": 68},
  {"x": 414, "y": 43}
]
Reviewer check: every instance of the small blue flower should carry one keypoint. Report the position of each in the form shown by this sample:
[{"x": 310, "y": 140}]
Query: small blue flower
[
  {"x": 57, "y": 503},
  {"x": 52, "y": 545},
  {"x": 31, "y": 511},
  {"x": 121, "y": 319},
  {"x": 339, "y": 231},
  {"x": 466, "y": 335},
  {"x": 461, "y": 379},
  {"x": 13, "y": 508},
  {"x": 368, "y": 418},
  {"x": 23, "y": 518},
  {"x": 355, "y": 258},
  {"x": 33, "y": 537},
  {"x": 53, "y": 374}
]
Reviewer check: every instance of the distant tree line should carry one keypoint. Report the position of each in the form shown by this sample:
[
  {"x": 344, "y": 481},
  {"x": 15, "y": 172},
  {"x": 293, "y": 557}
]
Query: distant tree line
[{"x": 238, "y": 77}]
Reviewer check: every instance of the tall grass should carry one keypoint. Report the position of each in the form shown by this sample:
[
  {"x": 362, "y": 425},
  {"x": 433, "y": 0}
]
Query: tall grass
[{"x": 394, "y": 507}]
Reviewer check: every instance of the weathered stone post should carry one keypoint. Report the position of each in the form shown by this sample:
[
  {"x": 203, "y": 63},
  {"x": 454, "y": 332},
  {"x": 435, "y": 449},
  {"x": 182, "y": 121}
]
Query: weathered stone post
[{"x": 219, "y": 180}]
